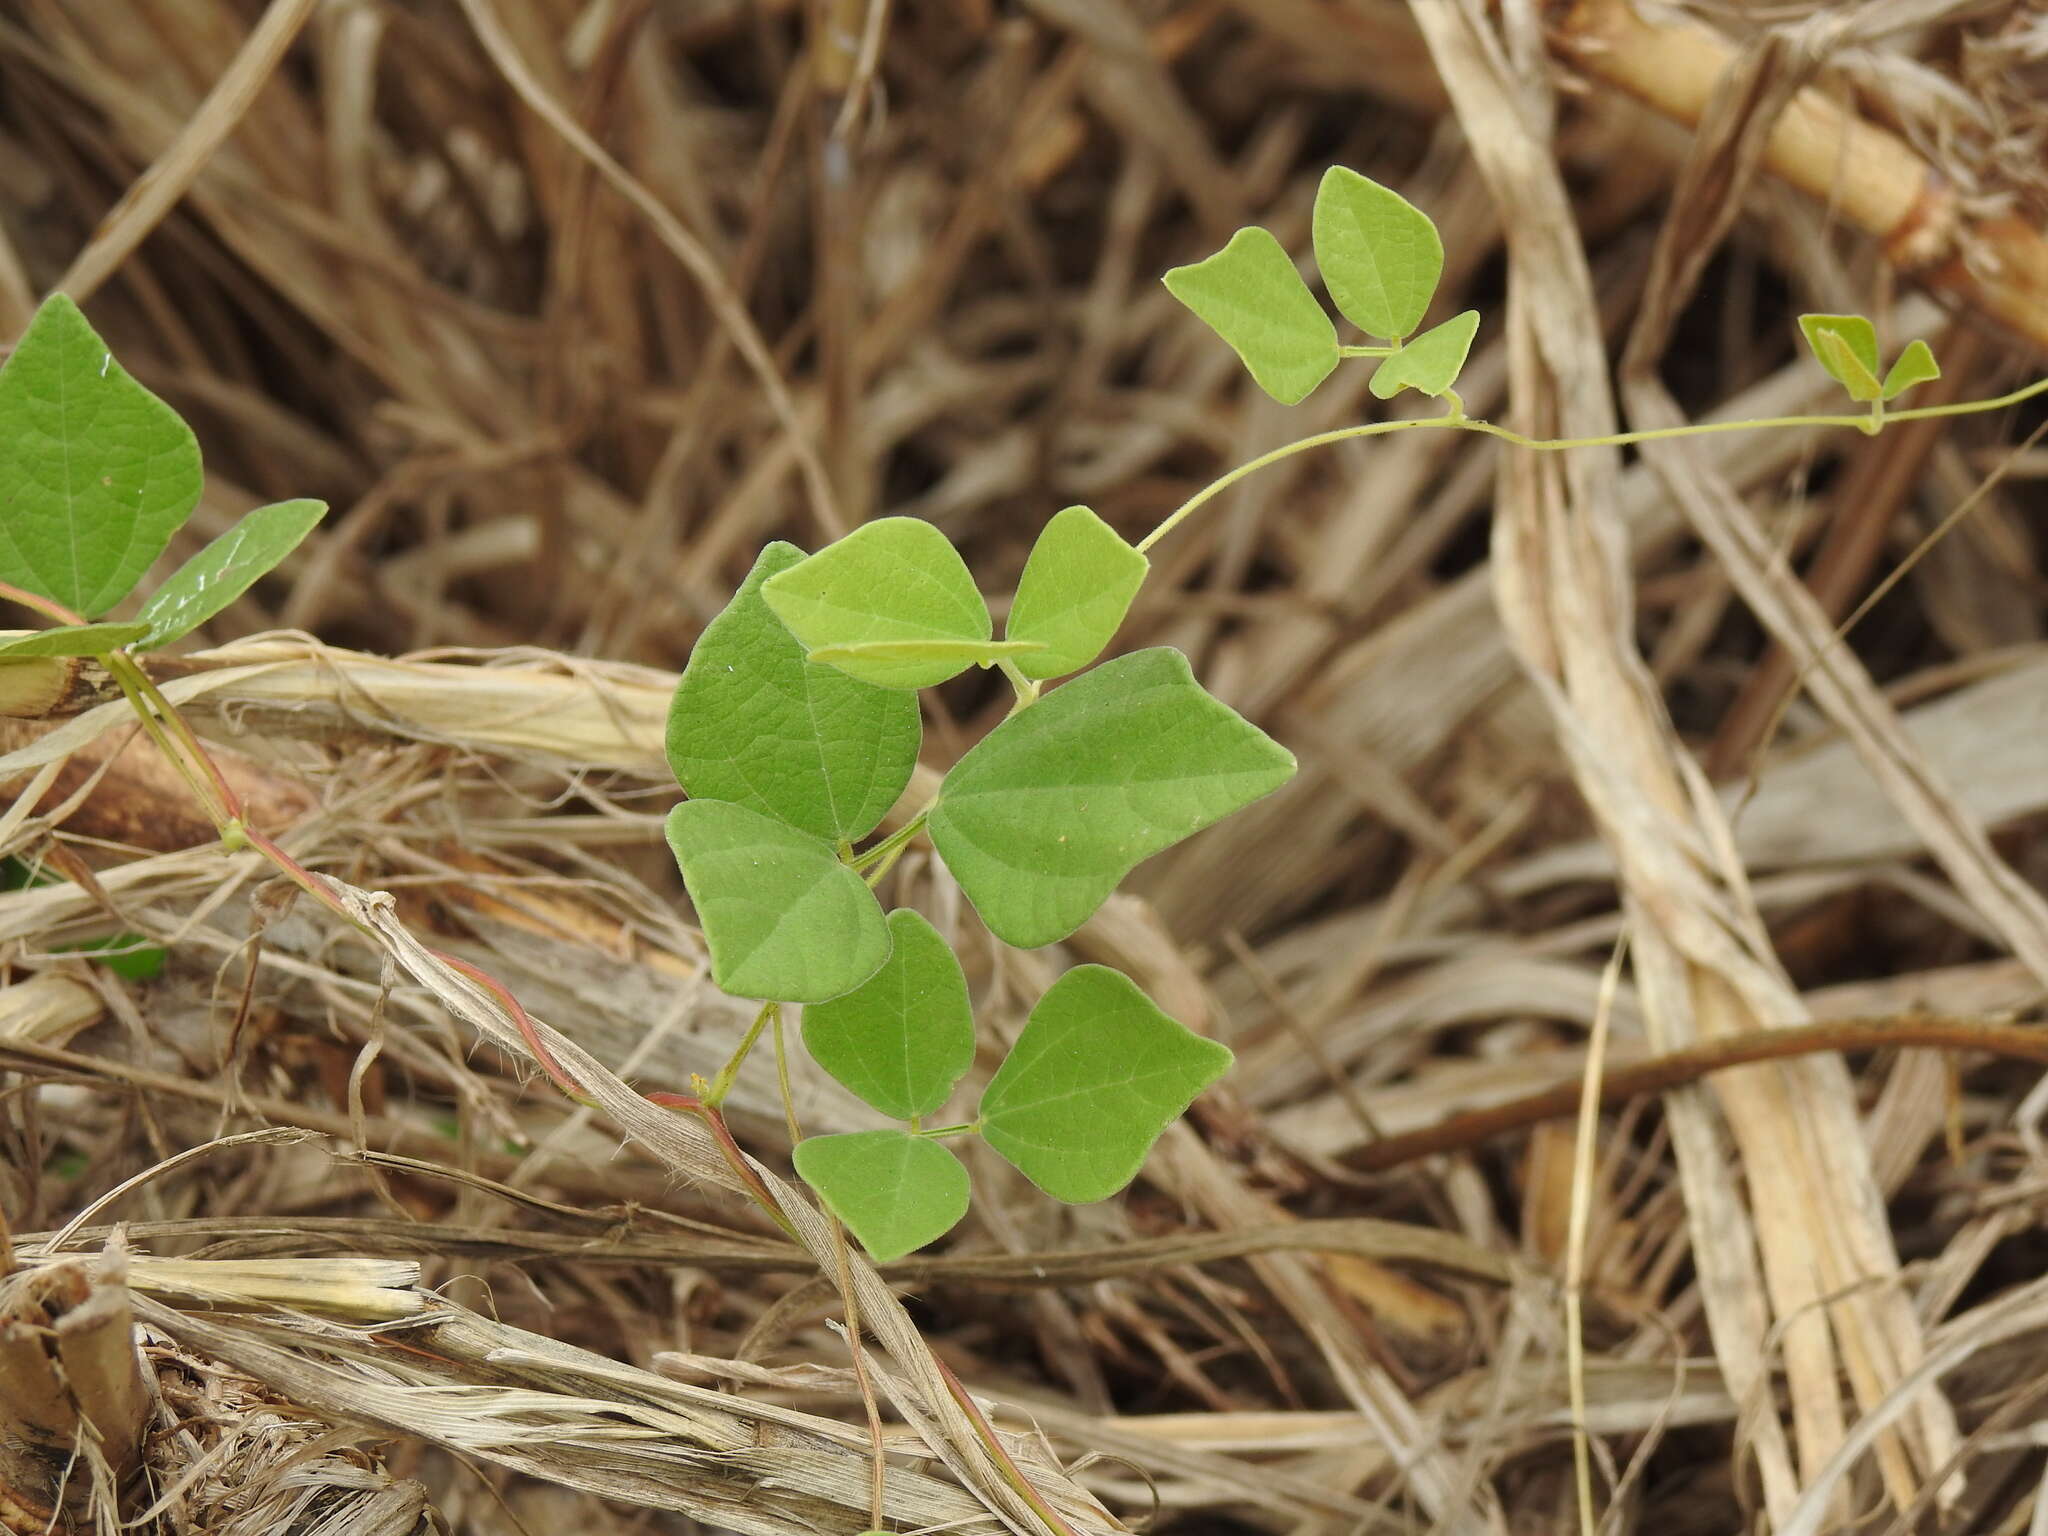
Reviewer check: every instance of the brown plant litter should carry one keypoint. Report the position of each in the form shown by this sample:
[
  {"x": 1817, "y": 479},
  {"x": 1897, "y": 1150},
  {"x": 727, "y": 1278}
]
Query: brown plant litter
[{"x": 567, "y": 305}]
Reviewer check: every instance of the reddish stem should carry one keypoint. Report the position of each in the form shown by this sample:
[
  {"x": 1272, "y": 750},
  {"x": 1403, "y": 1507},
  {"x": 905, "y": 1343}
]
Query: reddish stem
[{"x": 714, "y": 1121}]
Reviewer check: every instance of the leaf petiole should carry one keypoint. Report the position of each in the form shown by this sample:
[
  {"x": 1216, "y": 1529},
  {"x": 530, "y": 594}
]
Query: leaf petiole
[
  {"x": 721, "y": 1085},
  {"x": 877, "y": 861},
  {"x": 45, "y": 606},
  {"x": 1027, "y": 688}
]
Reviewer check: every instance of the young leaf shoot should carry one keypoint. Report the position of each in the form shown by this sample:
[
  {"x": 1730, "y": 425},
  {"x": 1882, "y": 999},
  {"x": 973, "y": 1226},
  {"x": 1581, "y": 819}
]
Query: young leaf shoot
[
  {"x": 74, "y": 640},
  {"x": 1916, "y": 365},
  {"x": 225, "y": 569},
  {"x": 1846, "y": 346},
  {"x": 1431, "y": 362}
]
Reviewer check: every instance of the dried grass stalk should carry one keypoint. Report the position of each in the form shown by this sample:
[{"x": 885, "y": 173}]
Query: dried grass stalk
[{"x": 1703, "y": 965}]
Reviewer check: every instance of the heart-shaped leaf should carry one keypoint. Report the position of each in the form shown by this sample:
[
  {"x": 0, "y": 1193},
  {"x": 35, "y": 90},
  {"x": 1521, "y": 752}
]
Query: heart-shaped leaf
[
  {"x": 782, "y": 917},
  {"x": 96, "y": 473},
  {"x": 905, "y": 1036},
  {"x": 1379, "y": 254},
  {"x": 1076, "y": 588},
  {"x": 1041, "y": 819},
  {"x": 1096, "y": 1075},
  {"x": 895, "y": 579},
  {"x": 1431, "y": 362},
  {"x": 1916, "y": 365},
  {"x": 225, "y": 569},
  {"x": 74, "y": 640},
  {"x": 1251, "y": 296},
  {"x": 755, "y": 723},
  {"x": 895, "y": 1192},
  {"x": 1846, "y": 346}
]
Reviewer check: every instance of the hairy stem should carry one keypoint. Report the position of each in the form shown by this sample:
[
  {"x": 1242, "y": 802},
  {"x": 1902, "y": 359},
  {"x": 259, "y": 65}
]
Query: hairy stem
[{"x": 735, "y": 1159}]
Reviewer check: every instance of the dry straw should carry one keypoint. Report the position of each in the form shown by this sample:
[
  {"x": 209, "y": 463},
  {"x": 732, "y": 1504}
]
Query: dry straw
[{"x": 566, "y": 308}]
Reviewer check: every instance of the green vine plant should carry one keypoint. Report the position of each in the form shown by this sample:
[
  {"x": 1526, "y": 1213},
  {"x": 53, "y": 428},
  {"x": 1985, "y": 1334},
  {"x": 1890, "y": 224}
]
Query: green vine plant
[{"x": 796, "y": 728}]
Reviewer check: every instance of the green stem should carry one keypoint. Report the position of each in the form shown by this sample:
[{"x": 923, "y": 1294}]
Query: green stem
[
  {"x": 1027, "y": 688},
  {"x": 194, "y": 765},
  {"x": 1460, "y": 422},
  {"x": 893, "y": 841},
  {"x": 880, "y": 872},
  {"x": 721, "y": 1085},
  {"x": 880, "y": 859},
  {"x": 1367, "y": 351}
]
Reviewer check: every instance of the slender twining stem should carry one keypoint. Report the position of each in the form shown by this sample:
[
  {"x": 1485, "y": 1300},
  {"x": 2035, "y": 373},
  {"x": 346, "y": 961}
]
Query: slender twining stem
[
  {"x": 1458, "y": 421},
  {"x": 1368, "y": 351},
  {"x": 969, "y": 1128},
  {"x": 893, "y": 850},
  {"x": 721, "y": 1085},
  {"x": 1676, "y": 1069}
]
